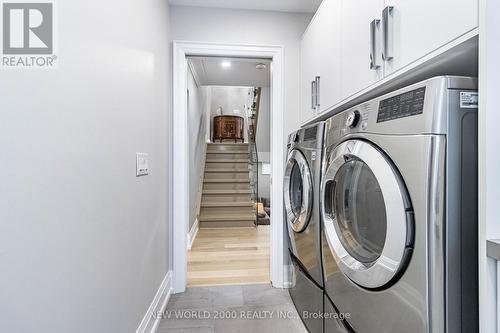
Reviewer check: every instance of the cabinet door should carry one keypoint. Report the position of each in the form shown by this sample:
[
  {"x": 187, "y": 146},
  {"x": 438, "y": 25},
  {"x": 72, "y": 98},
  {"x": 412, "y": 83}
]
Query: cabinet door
[
  {"x": 422, "y": 26},
  {"x": 328, "y": 23},
  {"x": 309, "y": 69},
  {"x": 355, "y": 45}
]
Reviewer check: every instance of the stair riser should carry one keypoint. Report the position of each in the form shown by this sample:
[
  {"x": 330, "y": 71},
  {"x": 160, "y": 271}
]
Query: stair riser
[
  {"x": 227, "y": 224},
  {"x": 228, "y": 147},
  {"x": 227, "y": 175},
  {"x": 227, "y": 156},
  {"x": 231, "y": 181},
  {"x": 207, "y": 204},
  {"x": 225, "y": 165},
  {"x": 220, "y": 211},
  {"x": 226, "y": 198},
  {"x": 226, "y": 186}
]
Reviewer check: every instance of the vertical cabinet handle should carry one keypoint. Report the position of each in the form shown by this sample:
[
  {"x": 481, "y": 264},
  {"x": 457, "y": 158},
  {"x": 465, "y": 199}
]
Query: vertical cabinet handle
[
  {"x": 374, "y": 50},
  {"x": 388, "y": 33},
  {"x": 318, "y": 85},
  {"x": 313, "y": 94}
]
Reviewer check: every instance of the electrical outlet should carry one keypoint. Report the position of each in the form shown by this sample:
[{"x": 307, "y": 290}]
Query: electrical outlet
[{"x": 142, "y": 164}]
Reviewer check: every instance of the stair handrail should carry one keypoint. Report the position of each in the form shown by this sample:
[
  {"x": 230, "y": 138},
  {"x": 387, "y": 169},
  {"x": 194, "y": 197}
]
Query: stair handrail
[{"x": 253, "y": 151}]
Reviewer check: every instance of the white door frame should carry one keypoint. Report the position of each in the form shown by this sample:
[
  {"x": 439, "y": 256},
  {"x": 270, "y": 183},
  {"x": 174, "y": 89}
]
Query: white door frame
[{"x": 180, "y": 161}]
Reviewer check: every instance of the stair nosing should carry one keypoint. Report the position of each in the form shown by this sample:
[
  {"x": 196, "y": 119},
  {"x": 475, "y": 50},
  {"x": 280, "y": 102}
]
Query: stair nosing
[
  {"x": 227, "y": 143},
  {"x": 227, "y": 204},
  {"x": 227, "y": 192},
  {"x": 229, "y": 218},
  {"x": 236, "y": 152},
  {"x": 227, "y": 161},
  {"x": 225, "y": 180},
  {"x": 227, "y": 170}
]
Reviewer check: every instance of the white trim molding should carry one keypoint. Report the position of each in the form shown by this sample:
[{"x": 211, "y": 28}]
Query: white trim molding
[
  {"x": 489, "y": 163},
  {"x": 192, "y": 234},
  {"x": 288, "y": 283},
  {"x": 152, "y": 318},
  {"x": 182, "y": 49}
]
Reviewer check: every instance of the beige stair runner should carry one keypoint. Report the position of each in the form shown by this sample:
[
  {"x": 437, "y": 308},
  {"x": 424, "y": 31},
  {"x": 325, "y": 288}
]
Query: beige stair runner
[{"x": 227, "y": 194}]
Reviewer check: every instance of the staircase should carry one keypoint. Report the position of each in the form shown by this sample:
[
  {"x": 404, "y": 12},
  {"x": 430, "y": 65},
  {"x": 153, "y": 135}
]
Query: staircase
[{"x": 227, "y": 193}]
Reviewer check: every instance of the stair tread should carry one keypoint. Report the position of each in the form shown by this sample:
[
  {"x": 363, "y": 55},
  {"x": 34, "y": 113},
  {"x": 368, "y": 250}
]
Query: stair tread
[
  {"x": 227, "y": 180},
  {"x": 228, "y": 204},
  {"x": 227, "y": 144},
  {"x": 233, "y": 152},
  {"x": 226, "y": 224},
  {"x": 227, "y": 160},
  {"x": 236, "y": 170},
  {"x": 227, "y": 191},
  {"x": 227, "y": 217}
]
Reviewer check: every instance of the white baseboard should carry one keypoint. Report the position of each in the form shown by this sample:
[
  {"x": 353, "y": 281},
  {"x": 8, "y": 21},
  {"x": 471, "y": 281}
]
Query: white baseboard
[
  {"x": 287, "y": 283},
  {"x": 192, "y": 234},
  {"x": 152, "y": 318}
]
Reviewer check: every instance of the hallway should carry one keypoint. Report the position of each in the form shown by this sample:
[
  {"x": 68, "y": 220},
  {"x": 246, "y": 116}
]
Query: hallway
[
  {"x": 226, "y": 256},
  {"x": 237, "y": 302}
]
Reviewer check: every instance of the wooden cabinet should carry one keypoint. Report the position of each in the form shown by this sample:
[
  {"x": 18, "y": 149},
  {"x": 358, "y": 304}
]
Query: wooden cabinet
[
  {"x": 228, "y": 127},
  {"x": 351, "y": 45}
]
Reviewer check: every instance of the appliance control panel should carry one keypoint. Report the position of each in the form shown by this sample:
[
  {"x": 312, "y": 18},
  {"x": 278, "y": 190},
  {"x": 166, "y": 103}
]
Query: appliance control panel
[
  {"x": 408, "y": 104},
  {"x": 352, "y": 118}
]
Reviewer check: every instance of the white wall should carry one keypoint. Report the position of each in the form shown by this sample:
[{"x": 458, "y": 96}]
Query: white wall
[
  {"x": 264, "y": 141},
  {"x": 197, "y": 133},
  {"x": 249, "y": 27},
  {"x": 264, "y": 126},
  {"x": 489, "y": 162},
  {"x": 83, "y": 242},
  {"x": 231, "y": 99}
]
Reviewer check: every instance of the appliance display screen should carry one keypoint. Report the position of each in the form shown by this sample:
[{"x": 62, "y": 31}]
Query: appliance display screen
[{"x": 408, "y": 104}]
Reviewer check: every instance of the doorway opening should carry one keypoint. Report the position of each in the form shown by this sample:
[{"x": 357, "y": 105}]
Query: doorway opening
[
  {"x": 228, "y": 106},
  {"x": 209, "y": 147}
]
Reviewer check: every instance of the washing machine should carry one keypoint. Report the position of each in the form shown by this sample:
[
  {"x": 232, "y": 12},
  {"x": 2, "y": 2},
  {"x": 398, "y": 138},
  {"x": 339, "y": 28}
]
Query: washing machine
[
  {"x": 399, "y": 210},
  {"x": 301, "y": 197}
]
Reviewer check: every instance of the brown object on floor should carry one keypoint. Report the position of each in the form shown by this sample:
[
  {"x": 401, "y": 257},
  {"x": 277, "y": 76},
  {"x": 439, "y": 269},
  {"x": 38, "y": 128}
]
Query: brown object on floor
[
  {"x": 228, "y": 127},
  {"x": 226, "y": 256}
]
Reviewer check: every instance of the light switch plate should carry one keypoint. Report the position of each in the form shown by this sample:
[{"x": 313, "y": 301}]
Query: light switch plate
[
  {"x": 266, "y": 168},
  {"x": 142, "y": 164}
]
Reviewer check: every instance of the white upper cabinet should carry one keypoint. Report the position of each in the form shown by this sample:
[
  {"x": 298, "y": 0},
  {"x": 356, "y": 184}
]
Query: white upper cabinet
[
  {"x": 309, "y": 69},
  {"x": 415, "y": 28},
  {"x": 351, "y": 45},
  {"x": 329, "y": 83},
  {"x": 360, "y": 45},
  {"x": 320, "y": 60}
]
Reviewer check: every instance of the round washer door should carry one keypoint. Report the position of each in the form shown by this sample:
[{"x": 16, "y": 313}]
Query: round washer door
[
  {"x": 298, "y": 191},
  {"x": 367, "y": 214}
]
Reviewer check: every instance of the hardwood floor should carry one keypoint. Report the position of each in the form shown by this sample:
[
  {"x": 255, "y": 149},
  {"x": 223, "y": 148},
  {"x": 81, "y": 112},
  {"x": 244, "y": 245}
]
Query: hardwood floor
[{"x": 227, "y": 256}]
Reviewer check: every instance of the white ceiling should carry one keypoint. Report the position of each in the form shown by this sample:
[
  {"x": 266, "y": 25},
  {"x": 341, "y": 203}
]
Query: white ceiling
[
  {"x": 209, "y": 72},
  {"x": 295, "y": 6}
]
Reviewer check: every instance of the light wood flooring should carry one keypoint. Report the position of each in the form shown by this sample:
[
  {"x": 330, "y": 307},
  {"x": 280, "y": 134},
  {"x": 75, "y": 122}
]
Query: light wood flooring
[{"x": 228, "y": 256}]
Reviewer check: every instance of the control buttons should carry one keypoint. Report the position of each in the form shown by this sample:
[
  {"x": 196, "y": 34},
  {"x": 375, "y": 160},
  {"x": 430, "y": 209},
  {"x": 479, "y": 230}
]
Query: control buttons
[
  {"x": 364, "y": 125},
  {"x": 352, "y": 119}
]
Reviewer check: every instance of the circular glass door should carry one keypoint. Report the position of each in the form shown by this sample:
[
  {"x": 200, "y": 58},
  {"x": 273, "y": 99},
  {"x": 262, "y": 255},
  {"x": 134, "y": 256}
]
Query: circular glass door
[
  {"x": 360, "y": 211},
  {"x": 298, "y": 191},
  {"x": 365, "y": 211}
]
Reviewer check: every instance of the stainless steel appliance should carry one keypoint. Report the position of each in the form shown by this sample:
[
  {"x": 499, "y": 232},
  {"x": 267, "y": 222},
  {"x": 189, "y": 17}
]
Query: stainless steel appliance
[
  {"x": 399, "y": 208},
  {"x": 301, "y": 195}
]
